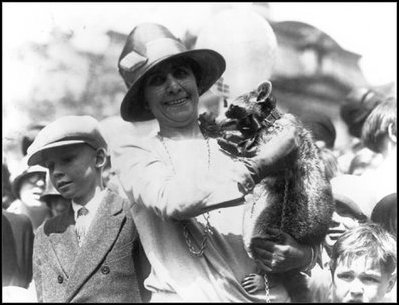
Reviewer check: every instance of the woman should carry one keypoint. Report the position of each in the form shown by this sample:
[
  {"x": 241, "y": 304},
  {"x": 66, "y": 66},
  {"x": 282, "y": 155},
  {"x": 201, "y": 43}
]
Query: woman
[
  {"x": 187, "y": 194},
  {"x": 27, "y": 187}
]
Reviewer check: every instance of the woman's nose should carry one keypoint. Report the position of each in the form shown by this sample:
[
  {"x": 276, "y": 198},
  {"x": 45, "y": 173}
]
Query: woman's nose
[
  {"x": 173, "y": 84},
  {"x": 41, "y": 183}
]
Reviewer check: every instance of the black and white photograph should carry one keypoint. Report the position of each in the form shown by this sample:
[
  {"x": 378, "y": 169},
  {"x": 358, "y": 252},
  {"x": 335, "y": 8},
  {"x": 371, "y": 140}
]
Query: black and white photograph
[{"x": 228, "y": 152}]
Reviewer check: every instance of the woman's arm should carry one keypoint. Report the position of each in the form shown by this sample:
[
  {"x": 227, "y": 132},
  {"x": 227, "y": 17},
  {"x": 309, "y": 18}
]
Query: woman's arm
[{"x": 147, "y": 179}]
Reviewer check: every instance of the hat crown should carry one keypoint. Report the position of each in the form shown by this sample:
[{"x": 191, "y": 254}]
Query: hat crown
[
  {"x": 147, "y": 43},
  {"x": 145, "y": 33}
]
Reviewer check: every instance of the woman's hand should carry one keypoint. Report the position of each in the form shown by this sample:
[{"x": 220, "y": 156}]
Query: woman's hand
[
  {"x": 279, "y": 252},
  {"x": 253, "y": 282}
]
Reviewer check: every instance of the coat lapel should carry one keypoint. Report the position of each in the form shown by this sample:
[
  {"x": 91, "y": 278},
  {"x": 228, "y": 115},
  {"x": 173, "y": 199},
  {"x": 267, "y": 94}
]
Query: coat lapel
[
  {"x": 64, "y": 242},
  {"x": 99, "y": 239}
]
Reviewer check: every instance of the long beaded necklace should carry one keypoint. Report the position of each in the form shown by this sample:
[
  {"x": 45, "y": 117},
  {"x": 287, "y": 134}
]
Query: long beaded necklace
[{"x": 208, "y": 228}]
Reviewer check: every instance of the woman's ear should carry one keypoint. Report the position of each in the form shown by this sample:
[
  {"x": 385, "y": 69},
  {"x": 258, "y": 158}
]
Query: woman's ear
[{"x": 101, "y": 157}]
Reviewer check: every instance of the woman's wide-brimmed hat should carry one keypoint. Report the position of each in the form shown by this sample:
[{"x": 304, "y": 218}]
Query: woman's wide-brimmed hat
[
  {"x": 25, "y": 171},
  {"x": 150, "y": 44}
]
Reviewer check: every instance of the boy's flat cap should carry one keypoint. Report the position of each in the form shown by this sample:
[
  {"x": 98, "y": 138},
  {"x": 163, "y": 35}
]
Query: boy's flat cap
[{"x": 66, "y": 130}]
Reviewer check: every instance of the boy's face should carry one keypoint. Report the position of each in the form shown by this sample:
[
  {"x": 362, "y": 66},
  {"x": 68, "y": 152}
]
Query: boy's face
[
  {"x": 73, "y": 171},
  {"x": 362, "y": 281}
]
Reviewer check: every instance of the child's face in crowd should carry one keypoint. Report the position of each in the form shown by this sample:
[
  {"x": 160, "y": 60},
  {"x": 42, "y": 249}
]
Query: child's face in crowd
[
  {"x": 73, "y": 171},
  {"x": 32, "y": 187},
  {"x": 360, "y": 280},
  {"x": 343, "y": 219}
]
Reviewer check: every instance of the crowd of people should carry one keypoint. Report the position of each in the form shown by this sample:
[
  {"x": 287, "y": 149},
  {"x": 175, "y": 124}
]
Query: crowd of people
[{"x": 167, "y": 227}]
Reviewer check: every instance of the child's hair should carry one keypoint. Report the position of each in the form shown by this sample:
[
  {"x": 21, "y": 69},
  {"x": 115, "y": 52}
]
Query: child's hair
[
  {"x": 369, "y": 240},
  {"x": 376, "y": 125},
  {"x": 357, "y": 106}
]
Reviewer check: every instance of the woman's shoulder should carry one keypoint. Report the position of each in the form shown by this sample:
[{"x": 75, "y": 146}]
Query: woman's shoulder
[
  {"x": 134, "y": 150},
  {"x": 127, "y": 142}
]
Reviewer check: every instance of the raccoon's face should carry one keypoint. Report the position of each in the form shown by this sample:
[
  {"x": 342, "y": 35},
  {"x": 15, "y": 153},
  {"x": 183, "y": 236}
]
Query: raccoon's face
[{"x": 247, "y": 111}]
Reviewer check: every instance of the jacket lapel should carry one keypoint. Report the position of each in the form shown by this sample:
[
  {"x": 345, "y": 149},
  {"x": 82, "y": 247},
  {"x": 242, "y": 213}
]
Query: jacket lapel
[
  {"x": 101, "y": 235},
  {"x": 64, "y": 242}
]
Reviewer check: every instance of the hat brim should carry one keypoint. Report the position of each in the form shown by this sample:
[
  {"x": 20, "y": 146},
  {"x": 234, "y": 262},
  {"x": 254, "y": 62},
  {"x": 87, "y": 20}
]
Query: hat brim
[
  {"x": 16, "y": 184},
  {"x": 37, "y": 157},
  {"x": 212, "y": 66}
]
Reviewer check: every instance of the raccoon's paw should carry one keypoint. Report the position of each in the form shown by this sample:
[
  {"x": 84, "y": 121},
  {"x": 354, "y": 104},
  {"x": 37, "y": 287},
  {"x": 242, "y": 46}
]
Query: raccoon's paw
[
  {"x": 253, "y": 282},
  {"x": 233, "y": 144}
]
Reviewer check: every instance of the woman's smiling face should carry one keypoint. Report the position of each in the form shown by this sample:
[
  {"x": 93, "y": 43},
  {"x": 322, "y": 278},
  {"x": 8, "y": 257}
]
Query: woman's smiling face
[{"x": 171, "y": 93}]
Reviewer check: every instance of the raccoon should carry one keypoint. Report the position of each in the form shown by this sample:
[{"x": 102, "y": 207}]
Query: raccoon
[{"x": 297, "y": 199}]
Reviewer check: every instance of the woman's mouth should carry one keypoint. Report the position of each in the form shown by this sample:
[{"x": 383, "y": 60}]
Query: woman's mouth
[
  {"x": 176, "y": 102},
  {"x": 37, "y": 195}
]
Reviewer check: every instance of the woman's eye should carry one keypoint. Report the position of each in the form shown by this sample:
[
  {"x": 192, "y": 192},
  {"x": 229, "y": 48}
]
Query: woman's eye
[
  {"x": 180, "y": 72},
  {"x": 156, "y": 80}
]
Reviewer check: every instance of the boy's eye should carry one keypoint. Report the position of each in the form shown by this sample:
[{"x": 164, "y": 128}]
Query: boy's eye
[
  {"x": 345, "y": 276},
  {"x": 371, "y": 280},
  {"x": 67, "y": 159}
]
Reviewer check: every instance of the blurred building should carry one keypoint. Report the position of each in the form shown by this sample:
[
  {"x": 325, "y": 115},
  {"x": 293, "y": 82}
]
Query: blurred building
[{"x": 314, "y": 73}]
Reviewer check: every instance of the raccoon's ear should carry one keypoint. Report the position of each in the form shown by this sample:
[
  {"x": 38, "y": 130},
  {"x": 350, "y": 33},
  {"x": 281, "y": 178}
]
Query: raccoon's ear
[{"x": 264, "y": 90}]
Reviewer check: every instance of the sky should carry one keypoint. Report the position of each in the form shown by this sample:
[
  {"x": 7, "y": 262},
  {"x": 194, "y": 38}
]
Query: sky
[{"x": 369, "y": 29}]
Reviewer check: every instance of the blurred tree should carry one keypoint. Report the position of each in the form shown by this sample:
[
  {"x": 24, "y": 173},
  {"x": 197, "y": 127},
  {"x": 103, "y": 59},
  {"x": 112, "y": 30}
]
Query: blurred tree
[
  {"x": 66, "y": 80},
  {"x": 56, "y": 78}
]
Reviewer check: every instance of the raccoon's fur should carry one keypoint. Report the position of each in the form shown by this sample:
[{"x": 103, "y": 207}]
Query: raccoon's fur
[{"x": 297, "y": 200}]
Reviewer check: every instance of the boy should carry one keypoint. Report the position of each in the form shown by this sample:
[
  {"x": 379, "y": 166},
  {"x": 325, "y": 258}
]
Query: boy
[
  {"x": 363, "y": 265},
  {"x": 87, "y": 253}
]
